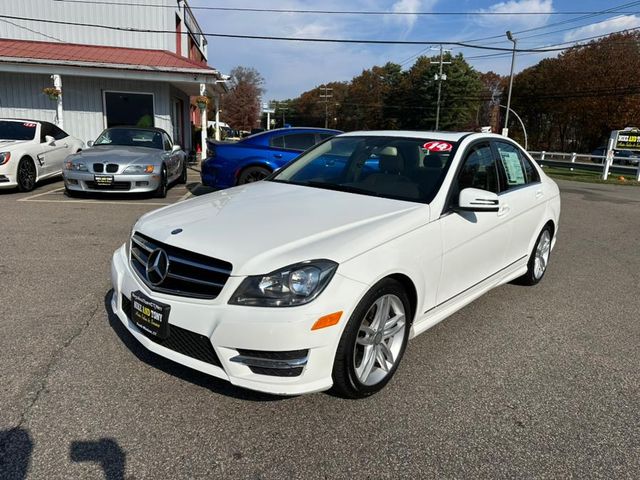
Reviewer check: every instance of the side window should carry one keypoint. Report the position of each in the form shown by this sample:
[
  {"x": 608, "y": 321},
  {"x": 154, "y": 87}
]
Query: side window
[
  {"x": 167, "y": 141},
  {"x": 57, "y": 133},
  {"x": 518, "y": 170},
  {"x": 45, "y": 129},
  {"x": 479, "y": 170},
  {"x": 299, "y": 141},
  {"x": 277, "y": 142}
]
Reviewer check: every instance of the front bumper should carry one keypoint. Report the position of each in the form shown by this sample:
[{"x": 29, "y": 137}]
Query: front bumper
[
  {"x": 122, "y": 183},
  {"x": 7, "y": 177},
  {"x": 237, "y": 333}
]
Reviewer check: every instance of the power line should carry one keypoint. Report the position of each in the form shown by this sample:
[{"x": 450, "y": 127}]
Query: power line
[
  {"x": 288, "y": 39},
  {"x": 334, "y": 12},
  {"x": 32, "y": 30},
  {"x": 615, "y": 10}
]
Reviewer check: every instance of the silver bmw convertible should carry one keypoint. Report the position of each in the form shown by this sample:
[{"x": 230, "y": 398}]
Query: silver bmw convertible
[{"x": 126, "y": 159}]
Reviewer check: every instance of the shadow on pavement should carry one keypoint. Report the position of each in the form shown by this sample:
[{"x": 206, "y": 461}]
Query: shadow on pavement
[
  {"x": 184, "y": 373},
  {"x": 197, "y": 189},
  {"x": 16, "y": 446},
  {"x": 106, "y": 452}
]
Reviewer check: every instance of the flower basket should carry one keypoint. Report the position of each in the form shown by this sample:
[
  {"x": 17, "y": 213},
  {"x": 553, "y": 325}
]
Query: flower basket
[
  {"x": 202, "y": 102},
  {"x": 52, "y": 92}
]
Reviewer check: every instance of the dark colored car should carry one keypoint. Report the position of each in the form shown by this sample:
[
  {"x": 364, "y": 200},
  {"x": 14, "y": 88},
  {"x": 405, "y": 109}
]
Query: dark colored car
[
  {"x": 621, "y": 157},
  {"x": 253, "y": 158}
]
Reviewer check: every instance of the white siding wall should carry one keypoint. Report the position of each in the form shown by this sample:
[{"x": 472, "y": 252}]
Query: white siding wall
[
  {"x": 21, "y": 97},
  {"x": 144, "y": 17}
]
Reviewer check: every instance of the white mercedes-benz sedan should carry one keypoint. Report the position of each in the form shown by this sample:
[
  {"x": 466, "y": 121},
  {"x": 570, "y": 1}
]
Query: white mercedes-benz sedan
[{"x": 318, "y": 275}]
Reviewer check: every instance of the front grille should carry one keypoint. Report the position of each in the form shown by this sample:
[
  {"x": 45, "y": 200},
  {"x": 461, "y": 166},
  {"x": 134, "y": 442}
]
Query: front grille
[
  {"x": 112, "y": 168},
  {"x": 181, "y": 340},
  {"x": 189, "y": 275},
  {"x": 98, "y": 167},
  {"x": 122, "y": 186}
]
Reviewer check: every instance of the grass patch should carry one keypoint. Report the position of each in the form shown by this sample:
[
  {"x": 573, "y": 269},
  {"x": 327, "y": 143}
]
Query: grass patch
[{"x": 590, "y": 177}]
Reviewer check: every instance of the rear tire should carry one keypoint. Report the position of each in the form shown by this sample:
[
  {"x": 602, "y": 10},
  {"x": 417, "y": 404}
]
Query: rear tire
[
  {"x": 161, "y": 191},
  {"x": 253, "y": 174},
  {"x": 373, "y": 341},
  {"x": 183, "y": 175},
  {"x": 539, "y": 259},
  {"x": 26, "y": 175}
]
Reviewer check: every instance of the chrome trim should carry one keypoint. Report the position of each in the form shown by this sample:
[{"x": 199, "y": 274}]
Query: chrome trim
[
  {"x": 194, "y": 280},
  {"x": 270, "y": 363},
  {"x": 198, "y": 265}
]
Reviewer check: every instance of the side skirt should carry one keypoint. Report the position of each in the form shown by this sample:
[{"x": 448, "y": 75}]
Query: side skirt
[{"x": 438, "y": 313}]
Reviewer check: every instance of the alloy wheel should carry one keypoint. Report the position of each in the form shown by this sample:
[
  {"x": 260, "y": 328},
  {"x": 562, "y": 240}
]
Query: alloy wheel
[
  {"x": 26, "y": 175},
  {"x": 542, "y": 254},
  {"x": 379, "y": 340}
]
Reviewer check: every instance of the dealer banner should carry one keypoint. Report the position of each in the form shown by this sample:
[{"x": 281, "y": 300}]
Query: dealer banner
[{"x": 628, "y": 140}]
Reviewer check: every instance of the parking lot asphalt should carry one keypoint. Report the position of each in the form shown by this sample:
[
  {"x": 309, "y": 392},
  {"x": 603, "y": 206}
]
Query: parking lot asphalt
[{"x": 524, "y": 382}]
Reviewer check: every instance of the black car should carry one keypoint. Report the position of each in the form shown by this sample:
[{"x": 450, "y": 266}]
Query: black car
[{"x": 621, "y": 157}]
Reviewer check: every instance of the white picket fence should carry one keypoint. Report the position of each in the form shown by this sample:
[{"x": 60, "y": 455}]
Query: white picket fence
[{"x": 584, "y": 162}]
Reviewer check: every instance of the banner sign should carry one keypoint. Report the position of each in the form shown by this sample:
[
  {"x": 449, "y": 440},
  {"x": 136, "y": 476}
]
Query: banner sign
[{"x": 628, "y": 140}]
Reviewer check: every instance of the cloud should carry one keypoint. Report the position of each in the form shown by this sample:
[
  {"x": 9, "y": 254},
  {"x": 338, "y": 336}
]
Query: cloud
[
  {"x": 410, "y": 6},
  {"x": 605, "y": 27},
  {"x": 513, "y": 7}
]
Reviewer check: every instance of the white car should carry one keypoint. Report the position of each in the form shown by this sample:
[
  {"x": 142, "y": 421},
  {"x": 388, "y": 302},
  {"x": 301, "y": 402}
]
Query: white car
[
  {"x": 318, "y": 275},
  {"x": 31, "y": 151}
]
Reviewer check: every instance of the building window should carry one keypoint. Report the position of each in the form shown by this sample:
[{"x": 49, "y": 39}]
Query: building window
[{"x": 131, "y": 109}]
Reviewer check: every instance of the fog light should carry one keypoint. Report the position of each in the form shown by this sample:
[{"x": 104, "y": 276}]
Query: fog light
[
  {"x": 142, "y": 184},
  {"x": 72, "y": 181}
]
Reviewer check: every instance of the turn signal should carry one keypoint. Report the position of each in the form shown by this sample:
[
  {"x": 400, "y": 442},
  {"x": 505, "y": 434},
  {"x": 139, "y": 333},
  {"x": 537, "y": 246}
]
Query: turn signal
[{"x": 327, "y": 321}]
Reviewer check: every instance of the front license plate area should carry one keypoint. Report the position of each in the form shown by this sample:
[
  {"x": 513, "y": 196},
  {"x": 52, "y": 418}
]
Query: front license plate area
[
  {"x": 150, "y": 316},
  {"x": 103, "y": 179}
]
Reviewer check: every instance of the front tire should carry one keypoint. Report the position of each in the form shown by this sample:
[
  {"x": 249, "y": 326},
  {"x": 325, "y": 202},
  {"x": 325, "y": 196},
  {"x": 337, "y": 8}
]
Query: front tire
[
  {"x": 161, "y": 191},
  {"x": 539, "y": 259},
  {"x": 373, "y": 342},
  {"x": 253, "y": 174},
  {"x": 26, "y": 175}
]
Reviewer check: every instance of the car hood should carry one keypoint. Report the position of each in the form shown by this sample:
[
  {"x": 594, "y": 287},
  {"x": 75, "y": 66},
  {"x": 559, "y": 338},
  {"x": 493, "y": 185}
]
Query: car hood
[
  {"x": 117, "y": 154},
  {"x": 8, "y": 144},
  {"x": 264, "y": 226}
]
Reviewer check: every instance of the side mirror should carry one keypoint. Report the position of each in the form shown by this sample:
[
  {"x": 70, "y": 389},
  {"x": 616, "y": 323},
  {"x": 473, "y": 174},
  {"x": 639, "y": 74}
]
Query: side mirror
[
  {"x": 176, "y": 148},
  {"x": 90, "y": 143},
  {"x": 477, "y": 200},
  {"x": 49, "y": 140}
]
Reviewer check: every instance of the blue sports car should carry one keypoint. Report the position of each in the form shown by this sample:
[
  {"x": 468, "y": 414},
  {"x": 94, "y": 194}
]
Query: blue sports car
[{"x": 255, "y": 157}]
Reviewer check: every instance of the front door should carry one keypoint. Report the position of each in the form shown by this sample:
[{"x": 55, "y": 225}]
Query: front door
[
  {"x": 474, "y": 243},
  {"x": 52, "y": 153}
]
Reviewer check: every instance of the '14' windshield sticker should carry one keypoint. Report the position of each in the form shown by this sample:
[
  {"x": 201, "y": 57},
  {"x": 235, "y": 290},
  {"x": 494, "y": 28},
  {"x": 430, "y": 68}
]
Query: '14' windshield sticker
[
  {"x": 437, "y": 146},
  {"x": 29, "y": 125}
]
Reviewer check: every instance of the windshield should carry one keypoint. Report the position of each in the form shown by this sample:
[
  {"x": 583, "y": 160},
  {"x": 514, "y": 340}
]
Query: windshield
[
  {"x": 393, "y": 167},
  {"x": 17, "y": 130},
  {"x": 130, "y": 137}
]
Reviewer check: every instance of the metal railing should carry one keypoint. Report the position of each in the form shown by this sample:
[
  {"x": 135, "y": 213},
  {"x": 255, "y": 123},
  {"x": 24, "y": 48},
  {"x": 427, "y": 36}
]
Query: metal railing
[{"x": 580, "y": 161}]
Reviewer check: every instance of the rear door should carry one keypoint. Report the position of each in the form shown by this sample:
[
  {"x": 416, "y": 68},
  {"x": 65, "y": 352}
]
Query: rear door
[
  {"x": 474, "y": 243},
  {"x": 522, "y": 194}
]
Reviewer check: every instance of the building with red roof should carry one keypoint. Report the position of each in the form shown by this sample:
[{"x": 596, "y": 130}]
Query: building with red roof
[{"x": 148, "y": 73}]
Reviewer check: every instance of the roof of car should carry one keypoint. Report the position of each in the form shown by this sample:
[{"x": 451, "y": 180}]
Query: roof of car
[{"x": 447, "y": 136}]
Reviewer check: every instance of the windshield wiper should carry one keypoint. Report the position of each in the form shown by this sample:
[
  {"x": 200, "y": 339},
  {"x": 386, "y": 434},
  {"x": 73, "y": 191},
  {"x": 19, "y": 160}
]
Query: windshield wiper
[{"x": 339, "y": 188}]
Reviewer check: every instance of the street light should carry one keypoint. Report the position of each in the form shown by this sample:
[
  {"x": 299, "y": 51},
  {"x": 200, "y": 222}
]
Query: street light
[{"x": 505, "y": 130}]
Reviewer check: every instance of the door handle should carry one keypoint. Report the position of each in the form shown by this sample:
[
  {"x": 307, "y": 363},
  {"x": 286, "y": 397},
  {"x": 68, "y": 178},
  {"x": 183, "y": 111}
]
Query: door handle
[
  {"x": 277, "y": 155},
  {"x": 504, "y": 210},
  {"x": 539, "y": 193}
]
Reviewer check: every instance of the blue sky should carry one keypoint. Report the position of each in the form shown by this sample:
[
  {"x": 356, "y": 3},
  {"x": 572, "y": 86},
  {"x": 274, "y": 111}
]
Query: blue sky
[{"x": 292, "y": 67}]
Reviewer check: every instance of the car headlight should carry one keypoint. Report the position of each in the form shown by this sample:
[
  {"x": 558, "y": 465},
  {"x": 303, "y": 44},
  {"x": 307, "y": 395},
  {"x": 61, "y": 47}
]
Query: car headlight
[
  {"x": 75, "y": 165},
  {"x": 290, "y": 286},
  {"x": 4, "y": 157},
  {"x": 135, "y": 169}
]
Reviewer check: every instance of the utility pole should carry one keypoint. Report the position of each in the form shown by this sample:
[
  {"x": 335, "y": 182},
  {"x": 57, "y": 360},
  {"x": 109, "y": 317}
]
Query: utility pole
[
  {"x": 440, "y": 77},
  {"x": 511, "y": 38},
  {"x": 328, "y": 94}
]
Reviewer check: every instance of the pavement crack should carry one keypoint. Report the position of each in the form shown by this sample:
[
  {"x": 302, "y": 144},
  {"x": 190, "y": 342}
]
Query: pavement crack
[{"x": 34, "y": 394}]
